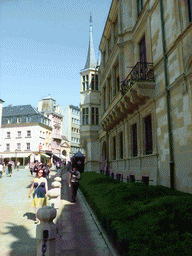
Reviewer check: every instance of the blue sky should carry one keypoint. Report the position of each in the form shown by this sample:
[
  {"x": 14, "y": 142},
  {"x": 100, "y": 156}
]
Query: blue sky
[{"x": 43, "y": 47}]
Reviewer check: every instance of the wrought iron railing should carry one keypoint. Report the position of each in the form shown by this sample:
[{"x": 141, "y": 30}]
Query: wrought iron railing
[{"x": 141, "y": 71}]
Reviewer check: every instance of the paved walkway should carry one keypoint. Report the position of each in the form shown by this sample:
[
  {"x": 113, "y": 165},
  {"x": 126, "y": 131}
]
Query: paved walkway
[
  {"x": 17, "y": 228},
  {"x": 79, "y": 232},
  {"x": 79, "y": 229}
]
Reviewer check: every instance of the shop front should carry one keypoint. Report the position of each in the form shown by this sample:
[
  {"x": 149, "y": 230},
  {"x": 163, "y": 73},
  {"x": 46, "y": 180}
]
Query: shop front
[{"x": 23, "y": 158}]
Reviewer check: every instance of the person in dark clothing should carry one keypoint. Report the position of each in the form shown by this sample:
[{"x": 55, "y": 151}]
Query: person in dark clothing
[
  {"x": 74, "y": 178},
  {"x": 9, "y": 168}
]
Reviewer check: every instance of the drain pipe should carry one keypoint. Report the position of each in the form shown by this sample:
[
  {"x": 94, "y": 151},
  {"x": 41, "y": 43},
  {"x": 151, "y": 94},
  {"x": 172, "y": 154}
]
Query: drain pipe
[{"x": 171, "y": 163}]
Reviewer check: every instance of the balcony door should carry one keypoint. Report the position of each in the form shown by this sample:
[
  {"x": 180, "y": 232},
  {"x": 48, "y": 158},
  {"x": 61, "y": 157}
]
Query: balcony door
[
  {"x": 143, "y": 58},
  {"x": 142, "y": 50}
]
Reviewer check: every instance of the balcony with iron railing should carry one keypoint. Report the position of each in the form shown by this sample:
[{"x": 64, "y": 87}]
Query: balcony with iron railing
[
  {"x": 137, "y": 87},
  {"x": 142, "y": 71}
]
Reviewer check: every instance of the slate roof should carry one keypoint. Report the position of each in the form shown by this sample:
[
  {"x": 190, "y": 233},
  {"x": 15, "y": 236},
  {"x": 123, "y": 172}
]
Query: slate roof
[
  {"x": 77, "y": 108},
  {"x": 90, "y": 63},
  {"x": 23, "y": 110}
]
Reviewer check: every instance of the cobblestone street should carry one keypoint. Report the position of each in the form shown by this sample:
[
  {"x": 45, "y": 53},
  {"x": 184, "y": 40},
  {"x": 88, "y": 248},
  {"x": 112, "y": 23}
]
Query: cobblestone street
[{"x": 17, "y": 228}]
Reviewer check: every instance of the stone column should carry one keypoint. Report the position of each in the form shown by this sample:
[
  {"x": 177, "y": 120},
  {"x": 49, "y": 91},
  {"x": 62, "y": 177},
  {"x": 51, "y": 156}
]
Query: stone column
[{"x": 46, "y": 214}]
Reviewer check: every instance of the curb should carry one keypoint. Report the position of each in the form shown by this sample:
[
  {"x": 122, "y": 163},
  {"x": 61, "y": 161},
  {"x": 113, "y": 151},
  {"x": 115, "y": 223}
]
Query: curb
[{"x": 102, "y": 232}]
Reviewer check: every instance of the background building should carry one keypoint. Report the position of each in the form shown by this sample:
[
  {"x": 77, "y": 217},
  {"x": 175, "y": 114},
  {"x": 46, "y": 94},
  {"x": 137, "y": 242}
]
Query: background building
[
  {"x": 146, "y": 92},
  {"x": 48, "y": 107},
  {"x": 71, "y": 127},
  {"x": 25, "y": 134}
]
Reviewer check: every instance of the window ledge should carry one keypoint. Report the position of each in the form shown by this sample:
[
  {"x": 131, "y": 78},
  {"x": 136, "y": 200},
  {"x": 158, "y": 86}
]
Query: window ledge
[
  {"x": 18, "y": 137},
  {"x": 7, "y": 138},
  {"x": 28, "y": 137}
]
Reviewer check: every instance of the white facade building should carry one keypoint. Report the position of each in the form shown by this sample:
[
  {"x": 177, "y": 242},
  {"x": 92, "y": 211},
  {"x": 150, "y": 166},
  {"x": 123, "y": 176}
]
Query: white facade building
[
  {"x": 25, "y": 134},
  {"x": 71, "y": 127}
]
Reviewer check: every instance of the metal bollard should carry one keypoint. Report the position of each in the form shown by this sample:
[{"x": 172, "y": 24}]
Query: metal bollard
[
  {"x": 46, "y": 231},
  {"x": 45, "y": 237}
]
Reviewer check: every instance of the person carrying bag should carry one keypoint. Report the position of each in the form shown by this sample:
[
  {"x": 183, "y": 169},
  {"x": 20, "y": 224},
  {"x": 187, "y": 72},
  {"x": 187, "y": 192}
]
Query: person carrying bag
[{"x": 74, "y": 178}]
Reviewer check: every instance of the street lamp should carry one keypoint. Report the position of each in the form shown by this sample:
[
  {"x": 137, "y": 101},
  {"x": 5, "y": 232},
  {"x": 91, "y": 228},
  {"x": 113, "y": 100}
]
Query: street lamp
[{"x": 16, "y": 156}]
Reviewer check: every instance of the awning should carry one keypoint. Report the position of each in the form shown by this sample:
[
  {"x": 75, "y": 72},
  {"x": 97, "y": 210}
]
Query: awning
[
  {"x": 60, "y": 156},
  {"x": 45, "y": 155},
  {"x": 15, "y": 155}
]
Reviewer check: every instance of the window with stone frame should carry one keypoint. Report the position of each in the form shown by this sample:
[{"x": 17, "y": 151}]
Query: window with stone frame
[
  {"x": 148, "y": 135},
  {"x": 104, "y": 98},
  {"x": 114, "y": 148},
  {"x": 115, "y": 29},
  {"x": 118, "y": 83},
  {"x": 92, "y": 82},
  {"x": 94, "y": 116},
  {"x": 9, "y": 135},
  {"x": 134, "y": 139},
  {"x": 85, "y": 116},
  {"x": 190, "y": 9},
  {"x": 28, "y": 119},
  {"x": 19, "y": 134},
  {"x": 139, "y": 6},
  {"x": 104, "y": 58},
  {"x": 87, "y": 82},
  {"x": 83, "y": 83},
  {"x": 28, "y": 146},
  {"x": 18, "y": 120},
  {"x": 8, "y": 147},
  {"x": 28, "y": 133},
  {"x": 109, "y": 45},
  {"x": 121, "y": 145},
  {"x": 18, "y": 146},
  {"x": 96, "y": 82}
]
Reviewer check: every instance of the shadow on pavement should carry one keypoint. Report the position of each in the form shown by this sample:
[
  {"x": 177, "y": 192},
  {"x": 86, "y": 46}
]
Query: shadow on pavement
[
  {"x": 29, "y": 185},
  {"x": 30, "y": 216},
  {"x": 25, "y": 244}
]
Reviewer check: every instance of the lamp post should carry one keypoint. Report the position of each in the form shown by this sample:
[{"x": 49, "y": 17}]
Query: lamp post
[{"x": 15, "y": 157}]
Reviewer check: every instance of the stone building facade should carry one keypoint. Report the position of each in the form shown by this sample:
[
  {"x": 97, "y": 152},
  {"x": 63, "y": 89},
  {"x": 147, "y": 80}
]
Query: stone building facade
[{"x": 145, "y": 79}]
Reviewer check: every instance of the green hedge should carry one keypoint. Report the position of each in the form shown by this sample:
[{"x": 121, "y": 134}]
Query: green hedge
[{"x": 140, "y": 219}]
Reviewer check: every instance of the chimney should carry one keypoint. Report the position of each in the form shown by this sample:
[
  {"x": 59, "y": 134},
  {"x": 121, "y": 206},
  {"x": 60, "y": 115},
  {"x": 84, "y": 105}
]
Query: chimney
[{"x": 40, "y": 106}]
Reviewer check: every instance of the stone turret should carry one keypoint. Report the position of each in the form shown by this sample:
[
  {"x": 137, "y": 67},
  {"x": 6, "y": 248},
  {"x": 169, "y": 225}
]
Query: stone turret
[{"x": 89, "y": 107}]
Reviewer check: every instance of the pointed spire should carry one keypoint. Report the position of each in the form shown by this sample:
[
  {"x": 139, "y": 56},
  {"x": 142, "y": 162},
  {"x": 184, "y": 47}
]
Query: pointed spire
[{"x": 90, "y": 63}]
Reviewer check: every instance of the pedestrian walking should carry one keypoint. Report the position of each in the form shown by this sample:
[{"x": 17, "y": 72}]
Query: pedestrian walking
[
  {"x": 35, "y": 170},
  {"x": 1, "y": 170},
  {"x": 47, "y": 171},
  {"x": 74, "y": 178},
  {"x": 9, "y": 168},
  {"x": 31, "y": 165},
  {"x": 18, "y": 164},
  {"x": 40, "y": 187}
]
